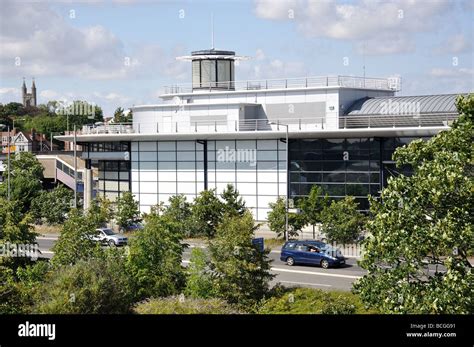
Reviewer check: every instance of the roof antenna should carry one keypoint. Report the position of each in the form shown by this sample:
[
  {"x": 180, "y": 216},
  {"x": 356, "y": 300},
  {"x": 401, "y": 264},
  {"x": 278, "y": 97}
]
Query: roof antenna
[{"x": 212, "y": 31}]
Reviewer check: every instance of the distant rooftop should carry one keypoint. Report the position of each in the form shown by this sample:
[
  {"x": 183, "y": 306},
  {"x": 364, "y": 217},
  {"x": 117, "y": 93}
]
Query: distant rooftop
[{"x": 423, "y": 104}]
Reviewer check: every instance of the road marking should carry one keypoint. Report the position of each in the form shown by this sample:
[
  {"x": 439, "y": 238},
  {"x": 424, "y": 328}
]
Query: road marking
[
  {"x": 277, "y": 269},
  {"x": 46, "y": 238},
  {"x": 185, "y": 261},
  {"x": 307, "y": 283},
  {"x": 46, "y": 252}
]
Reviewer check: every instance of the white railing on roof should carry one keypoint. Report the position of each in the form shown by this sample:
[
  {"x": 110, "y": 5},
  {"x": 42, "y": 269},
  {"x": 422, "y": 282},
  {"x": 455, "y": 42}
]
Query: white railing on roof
[
  {"x": 294, "y": 124},
  {"x": 393, "y": 83}
]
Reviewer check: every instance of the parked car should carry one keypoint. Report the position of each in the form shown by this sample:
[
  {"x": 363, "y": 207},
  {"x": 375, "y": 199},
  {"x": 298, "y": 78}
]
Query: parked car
[
  {"x": 132, "y": 227},
  {"x": 107, "y": 236},
  {"x": 311, "y": 252}
]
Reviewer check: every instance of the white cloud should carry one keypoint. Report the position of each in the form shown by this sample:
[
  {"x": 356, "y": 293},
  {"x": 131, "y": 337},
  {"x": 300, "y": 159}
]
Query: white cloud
[
  {"x": 450, "y": 73},
  {"x": 46, "y": 44},
  {"x": 455, "y": 44},
  {"x": 259, "y": 54},
  {"x": 387, "y": 26}
]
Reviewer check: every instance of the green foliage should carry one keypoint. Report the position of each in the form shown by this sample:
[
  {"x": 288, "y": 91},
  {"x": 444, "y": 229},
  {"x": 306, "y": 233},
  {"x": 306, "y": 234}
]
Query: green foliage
[
  {"x": 181, "y": 305},
  {"x": 52, "y": 206},
  {"x": 180, "y": 211},
  {"x": 425, "y": 219},
  {"x": 342, "y": 223},
  {"x": 154, "y": 260},
  {"x": 199, "y": 283},
  {"x": 11, "y": 294},
  {"x": 241, "y": 272},
  {"x": 75, "y": 242},
  {"x": 100, "y": 211},
  {"x": 313, "y": 301},
  {"x": 121, "y": 117},
  {"x": 15, "y": 226},
  {"x": 313, "y": 205},
  {"x": 25, "y": 180},
  {"x": 89, "y": 286},
  {"x": 207, "y": 213},
  {"x": 128, "y": 211},
  {"x": 233, "y": 202},
  {"x": 277, "y": 219},
  {"x": 26, "y": 164}
]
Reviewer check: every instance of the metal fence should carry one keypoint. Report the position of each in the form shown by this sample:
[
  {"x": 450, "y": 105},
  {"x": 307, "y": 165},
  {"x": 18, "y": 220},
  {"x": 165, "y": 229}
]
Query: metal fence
[
  {"x": 294, "y": 124},
  {"x": 304, "y": 82}
]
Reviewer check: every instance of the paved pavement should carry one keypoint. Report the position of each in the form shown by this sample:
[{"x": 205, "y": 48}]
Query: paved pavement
[{"x": 304, "y": 276}]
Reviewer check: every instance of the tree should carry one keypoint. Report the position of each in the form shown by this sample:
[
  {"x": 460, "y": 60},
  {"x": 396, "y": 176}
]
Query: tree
[
  {"x": 277, "y": 219},
  {"x": 241, "y": 270},
  {"x": 90, "y": 286},
  {"x": 15, "y": 226},
  {"x": 424, "y": 221},
  {"x": 26, "y": 164},
  {"x": 207, "y": 212},
  {"x": 312, "y": 206},
  {"x": 128, "y": 210},
  {"x": 75, "y": 242},
  {"x": 154, "y": 260},
  {"x": 342, "y": 222},
  {"x": 199, "y": 283},
  {"x": 100, "y": 212},
  {"x": 121, "y": 116},
  {"x": 52, "y": 206},
  {"x": 180, "y": 210},
  {"x": 25, "y": 180},
  {"x": 233, "y": 202}
]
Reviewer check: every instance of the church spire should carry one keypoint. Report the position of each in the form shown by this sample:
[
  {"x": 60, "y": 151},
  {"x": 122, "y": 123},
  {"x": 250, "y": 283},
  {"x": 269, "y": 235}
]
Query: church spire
[
  {"x": 33, "y": 86},
  {"x": 23, "y": 87}
]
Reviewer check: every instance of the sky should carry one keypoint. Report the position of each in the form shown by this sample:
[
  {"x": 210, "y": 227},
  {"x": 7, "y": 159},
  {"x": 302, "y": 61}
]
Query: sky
[{"x": 119, "y": 53}]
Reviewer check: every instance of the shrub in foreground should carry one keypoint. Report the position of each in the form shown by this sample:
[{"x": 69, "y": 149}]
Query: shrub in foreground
[
  {"x": 182, "y": 305},
  {"x": 87, "y": 287},
  {"x": 313, "y": 301}
]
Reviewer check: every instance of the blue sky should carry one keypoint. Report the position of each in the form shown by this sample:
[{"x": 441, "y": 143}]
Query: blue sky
[{"x": 78, "y": 50}]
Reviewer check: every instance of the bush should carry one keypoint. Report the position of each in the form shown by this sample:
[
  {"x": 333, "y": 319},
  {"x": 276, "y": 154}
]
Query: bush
[
  {"x": 89, "y": 287},
  {"x": 199, "y": 283},
  {"x": 241, "y": 273},
  {"x": 155, "y": 256},
  {"x": 313, "y": 301},
  {"x": 181, "y": 305}
]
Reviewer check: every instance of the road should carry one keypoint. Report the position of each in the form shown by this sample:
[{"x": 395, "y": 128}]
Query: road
[{"x": 303, "y": 276}]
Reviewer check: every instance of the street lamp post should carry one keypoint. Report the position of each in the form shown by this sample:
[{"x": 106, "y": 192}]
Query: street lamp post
[
  {"x": 8, "y": 164},
  {"x": 75, "y": 168},
  {"x": 287, "y": 178}
]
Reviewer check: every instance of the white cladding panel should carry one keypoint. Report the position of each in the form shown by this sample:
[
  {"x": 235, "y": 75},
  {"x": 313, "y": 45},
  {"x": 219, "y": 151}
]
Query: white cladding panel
[{"x": 163, "y": 169}]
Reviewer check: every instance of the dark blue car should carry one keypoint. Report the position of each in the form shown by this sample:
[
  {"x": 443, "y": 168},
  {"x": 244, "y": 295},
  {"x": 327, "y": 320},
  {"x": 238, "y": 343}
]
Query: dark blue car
[{"x": 312, "y": 253}]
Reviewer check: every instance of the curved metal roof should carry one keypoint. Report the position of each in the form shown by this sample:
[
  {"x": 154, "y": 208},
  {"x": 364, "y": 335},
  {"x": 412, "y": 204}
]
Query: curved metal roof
[{"x": 444, "y": 103}]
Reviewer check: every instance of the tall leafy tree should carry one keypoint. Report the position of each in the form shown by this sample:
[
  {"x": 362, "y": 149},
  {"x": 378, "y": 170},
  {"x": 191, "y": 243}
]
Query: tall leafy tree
[
  {"x": 312, "y": 206},
  {"x": 342, "y": 222},
  {"x": 233, "y": 202},
  {"x": 128, "y": 210},
  {"x": 75, "y": 242},
  {"x": 241, "y": 270},
  {"x": 422, "y": 231},
  {"x": 154, "y": 260},
  {"x": 180, "y": 210},
  {"x": 26, "y": 175},
  {"x": 207, "y": 212},
  {"x": 277, "y": 219},
  {"x": 52, "y": 206}
]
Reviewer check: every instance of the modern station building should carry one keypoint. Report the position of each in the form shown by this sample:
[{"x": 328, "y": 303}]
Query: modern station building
[{"x": 342, "y": 131}]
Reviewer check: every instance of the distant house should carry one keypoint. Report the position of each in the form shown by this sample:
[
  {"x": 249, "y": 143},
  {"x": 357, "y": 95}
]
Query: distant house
[{"x": 23, "y": 141}]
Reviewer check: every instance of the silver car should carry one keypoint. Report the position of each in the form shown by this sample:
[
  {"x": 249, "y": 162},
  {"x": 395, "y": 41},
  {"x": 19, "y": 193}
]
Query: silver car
[{"x": 106, "y": 235}]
